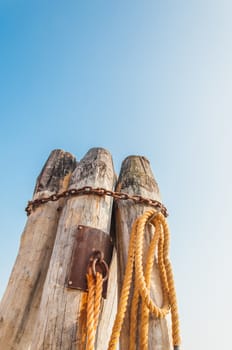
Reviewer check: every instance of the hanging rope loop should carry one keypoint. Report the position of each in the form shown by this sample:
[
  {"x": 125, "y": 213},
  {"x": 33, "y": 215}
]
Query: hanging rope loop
[{"x": 142, "y": 282}]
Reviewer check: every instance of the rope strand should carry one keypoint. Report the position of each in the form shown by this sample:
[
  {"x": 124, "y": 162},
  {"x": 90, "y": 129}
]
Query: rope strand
[{"x": 95, "y": 286}]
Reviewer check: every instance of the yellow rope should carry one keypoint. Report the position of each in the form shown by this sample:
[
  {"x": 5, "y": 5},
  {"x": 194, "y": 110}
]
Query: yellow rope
[
  {"x": 124, "y": 293},
  {"x": 95, "y": 285},
  {"x": 160, "y": 242},
  {"x": 144, "y": 327},
  {"x": 98, "y": 298}
]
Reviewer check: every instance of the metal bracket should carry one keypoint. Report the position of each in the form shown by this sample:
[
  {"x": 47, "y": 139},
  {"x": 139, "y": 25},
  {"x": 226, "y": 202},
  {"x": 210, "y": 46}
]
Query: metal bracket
[{"x": 88, "y": 240}]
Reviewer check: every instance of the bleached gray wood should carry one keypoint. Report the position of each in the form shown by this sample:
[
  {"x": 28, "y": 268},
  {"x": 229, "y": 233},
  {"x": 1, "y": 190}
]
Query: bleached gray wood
[
  {"x": 19, "y": 306},
  {"x": 62, "y": 311},
  {"x": 136, "y": 178}
]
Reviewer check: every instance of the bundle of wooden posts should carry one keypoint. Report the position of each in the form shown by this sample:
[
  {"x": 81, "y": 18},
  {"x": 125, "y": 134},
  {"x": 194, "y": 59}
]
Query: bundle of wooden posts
[{"x": 38, "y": 311}]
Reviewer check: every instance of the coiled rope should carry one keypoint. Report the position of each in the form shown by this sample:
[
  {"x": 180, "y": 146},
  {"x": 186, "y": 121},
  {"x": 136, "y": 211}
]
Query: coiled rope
[{"x": 160, "y": 241}]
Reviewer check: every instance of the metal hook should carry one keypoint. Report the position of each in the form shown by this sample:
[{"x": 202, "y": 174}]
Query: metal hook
[{"x": 103, "y": 264}]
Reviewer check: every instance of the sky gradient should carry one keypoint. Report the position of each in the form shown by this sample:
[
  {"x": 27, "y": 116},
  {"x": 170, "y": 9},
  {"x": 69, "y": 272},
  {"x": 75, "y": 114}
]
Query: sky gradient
[{"x": 136, "y": 77}]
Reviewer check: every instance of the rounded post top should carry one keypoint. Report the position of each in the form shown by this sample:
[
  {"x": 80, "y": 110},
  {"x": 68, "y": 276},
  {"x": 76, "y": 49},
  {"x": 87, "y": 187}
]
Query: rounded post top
[{"x": 58, "y": 165}]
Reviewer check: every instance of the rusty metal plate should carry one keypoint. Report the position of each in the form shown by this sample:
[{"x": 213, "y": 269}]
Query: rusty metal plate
[{"x": 87, "y": 241}]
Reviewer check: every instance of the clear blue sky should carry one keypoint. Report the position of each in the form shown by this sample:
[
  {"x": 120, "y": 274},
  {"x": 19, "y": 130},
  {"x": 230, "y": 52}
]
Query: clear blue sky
[{"x": 136, "y": 77}]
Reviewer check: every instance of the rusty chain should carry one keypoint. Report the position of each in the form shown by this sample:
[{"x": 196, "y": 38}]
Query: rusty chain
[{"x": 99, "y": 192}]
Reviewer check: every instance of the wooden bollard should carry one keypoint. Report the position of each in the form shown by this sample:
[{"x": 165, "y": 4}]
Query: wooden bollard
[
  {"x": 19, "y": 306},
  {"x": 61, "y": 321},
  {"x": 136, "y": 178}
]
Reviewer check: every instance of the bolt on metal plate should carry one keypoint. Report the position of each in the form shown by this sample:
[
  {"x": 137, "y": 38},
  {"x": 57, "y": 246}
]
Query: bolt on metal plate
[{"x": 87, "y": 241}]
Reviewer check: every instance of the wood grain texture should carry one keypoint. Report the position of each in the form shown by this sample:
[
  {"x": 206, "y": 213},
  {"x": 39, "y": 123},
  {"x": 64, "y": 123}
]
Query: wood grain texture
[
  {"x": 136, "y": 178},
  {"x": 61, "y": 322},
  {"x": 19, "y": 306}
]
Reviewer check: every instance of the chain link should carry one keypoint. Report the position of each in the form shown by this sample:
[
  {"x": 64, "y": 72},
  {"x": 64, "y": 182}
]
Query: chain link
[{"x": 99, "y": 192}]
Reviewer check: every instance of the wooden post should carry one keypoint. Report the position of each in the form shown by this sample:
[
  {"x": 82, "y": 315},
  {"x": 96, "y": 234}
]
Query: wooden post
[
  {"x": 61, "y": 318},
  {"x": 136, "y": 178},
  {"x": 19, "y": 306}
]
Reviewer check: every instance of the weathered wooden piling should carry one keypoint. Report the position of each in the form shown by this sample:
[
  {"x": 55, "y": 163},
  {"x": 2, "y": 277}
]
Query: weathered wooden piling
[
  {"x": 19, "y": 305},
  {"x": 42, "y": 308},
  {"x": 136, "y": 178},
  {"x": 61, "y": 321}
]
